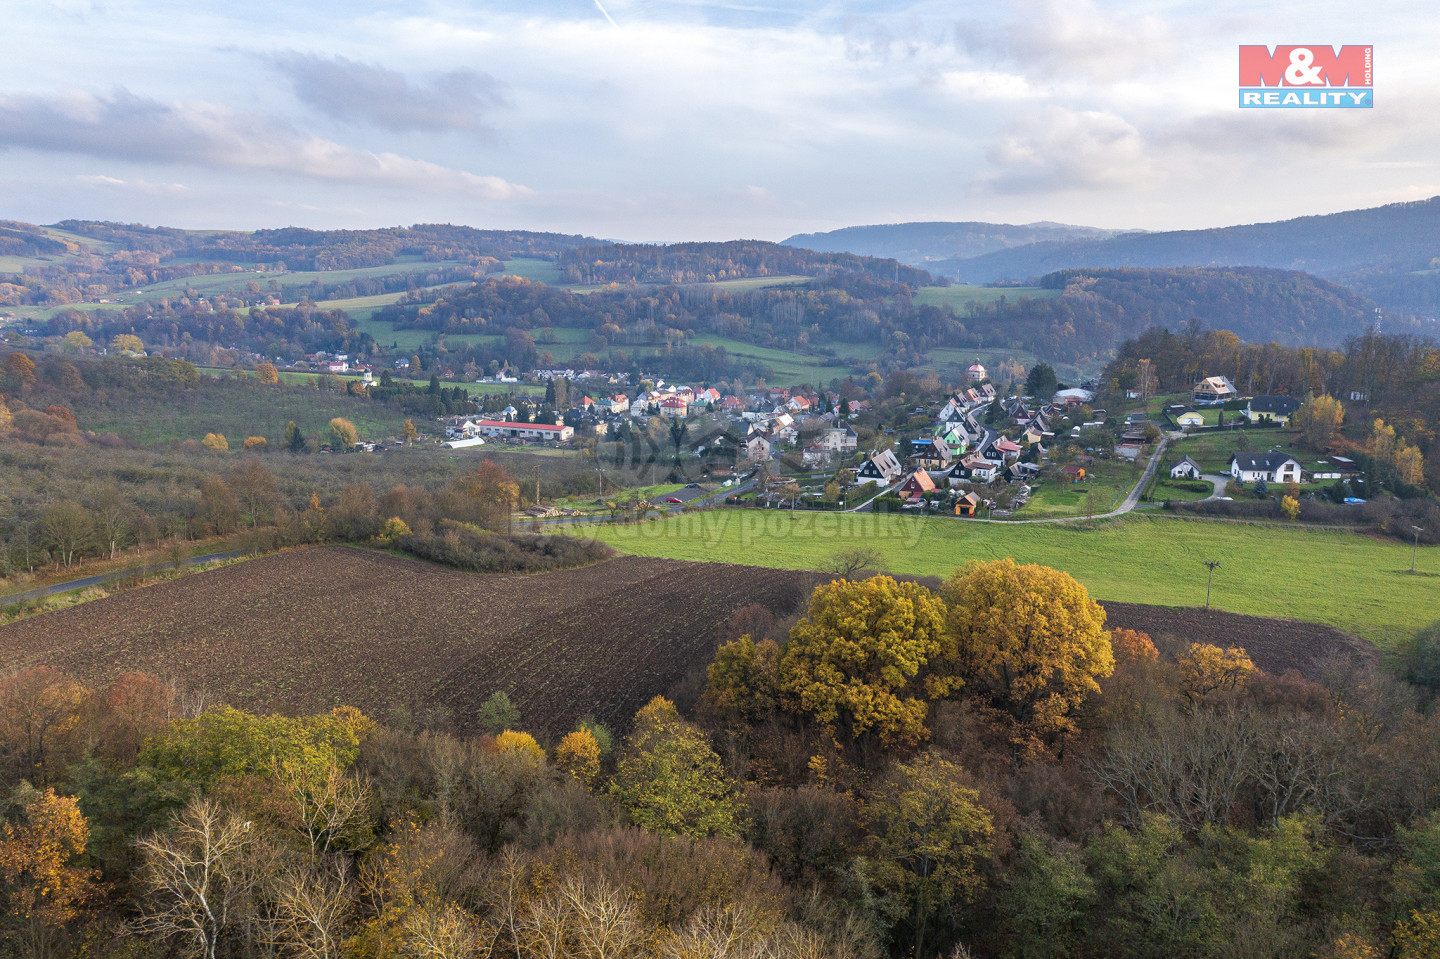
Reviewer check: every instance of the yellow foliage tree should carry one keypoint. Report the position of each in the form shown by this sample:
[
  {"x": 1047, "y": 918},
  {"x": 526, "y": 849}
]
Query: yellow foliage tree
[
  {"x": 1382, "y": 441},
  {"x": 257, "y": 443},
  {"x": 127, "y": 343},
  {"x": 7, "y": 419},
  {"x": 855, "y": 661},
  {"x": 411, "y": 433},
  {"x": 1319, "y": 418},
  {"x": 1205, "y": 668},
  {"x": 523, "y": 743},
  {"x": 267, "y": 374},
  {"x": 1410, "y": 463},
  {"x": 75, "y": 341},
  {"x": 390, "y": 533},
  {"x": 579, "y": 755},
  {"x": 1130, "y": 646},
  {"x": 671, "y": 781},
  {"x": 345, "y": 432},
  {"x": 36, "y": 855},
  {"x": 216, "y": 442},
  {"x": 744, "y": 679},
  {"x": 1290, "y": 506},
  {"x": 1029, "y": 639}
]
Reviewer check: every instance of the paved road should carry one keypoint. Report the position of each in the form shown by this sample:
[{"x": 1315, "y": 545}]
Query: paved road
[
  {"x": 103, "y": 578},
  {"x": 1219, "y": 482}
]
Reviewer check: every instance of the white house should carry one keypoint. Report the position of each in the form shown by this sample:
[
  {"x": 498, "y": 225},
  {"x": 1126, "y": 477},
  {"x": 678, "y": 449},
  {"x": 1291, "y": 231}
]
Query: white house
[
  {"x": 1185, "y": 469},
  {"x": 1272, "y": 467}
]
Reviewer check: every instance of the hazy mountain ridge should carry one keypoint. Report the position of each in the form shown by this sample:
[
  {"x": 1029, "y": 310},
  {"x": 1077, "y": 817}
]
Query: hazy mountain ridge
[{"x": 920, "y": 244}]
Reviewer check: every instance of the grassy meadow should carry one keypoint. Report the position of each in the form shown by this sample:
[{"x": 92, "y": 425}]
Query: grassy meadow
[
  {"x": 1354, "y": 582},
  {"x": 962, "y": 295}
]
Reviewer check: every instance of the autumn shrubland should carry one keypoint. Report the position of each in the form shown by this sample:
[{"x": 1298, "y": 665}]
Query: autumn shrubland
[{"x": 986, "y": 765}]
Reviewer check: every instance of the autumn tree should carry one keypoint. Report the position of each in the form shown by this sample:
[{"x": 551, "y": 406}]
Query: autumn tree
[
  {"x": 40, "y": 712},
  {"x": 1319, "y": 419},
  {"x": 855, "y": 661},
  {"x": 43, "y": 886},
  {"x": 75, "y": 341},
  {"x": 344, "y": 431},
  {"x": 1205, "y": 668},
  {"x": 494, "y": 492},
  {"x": 19, "y": 372},
  {"x": 215, "y": 442},
  {"x": 294, "y": 440},
  {"x": 1290, "y": 506},
  {"x": 743, "y": 681},
  {"x": 1028, "y": 640},
  {"x": 219, "y": 504},
  {"x": 520, "y": 743},
  {"x": 931, "y": 834},
  {"x": 579, "y": 755},
  {"x": 68, "y": 529},
  {"x": 267, "y": 374},
  {"x": 6, "y": 418},
  {"x": 411, "y": 433},
  {"x": 254, "y": 484},
  {"x": 127, "y": 344},
  {"x": 671, "y": 781},
  {"x": 256, "y": 444}
]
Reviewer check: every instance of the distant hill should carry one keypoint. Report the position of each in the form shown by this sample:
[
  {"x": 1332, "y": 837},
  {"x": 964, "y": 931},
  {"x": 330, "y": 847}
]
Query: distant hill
[
  {"x": 920, "y": 244},
  {"x": 1401, "y": 237}
]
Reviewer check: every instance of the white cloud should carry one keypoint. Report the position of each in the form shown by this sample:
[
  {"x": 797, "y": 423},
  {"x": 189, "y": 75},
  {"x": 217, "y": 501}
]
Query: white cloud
[
  {"x": 1059, "y": 150},
  {"x": 128, "y": 127},
  {"x": 136, "y": 185}
]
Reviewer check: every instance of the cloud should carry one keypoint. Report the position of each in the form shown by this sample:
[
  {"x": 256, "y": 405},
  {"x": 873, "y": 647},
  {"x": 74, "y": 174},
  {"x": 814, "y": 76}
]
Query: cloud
[
  {"x": 1074, "y": 39},
  {"x": 128, "y": 127},
  {"x": 1059, "y": 149},
  {"x": 364, "y": 93},
  {"x": 138, "y": 186}
]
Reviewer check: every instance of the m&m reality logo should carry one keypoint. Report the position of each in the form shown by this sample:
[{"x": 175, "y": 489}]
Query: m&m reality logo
[{"x": 1313, "y": 76}]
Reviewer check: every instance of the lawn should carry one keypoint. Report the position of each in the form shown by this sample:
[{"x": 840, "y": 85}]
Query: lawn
[
  {"x": 474, "y": 389},
  {"x": 1110, "y": 480},
  {"x": 788, "y": 369},
  {"x": 1353, "y": 582},
  {"x": 1212, "y": 450}
]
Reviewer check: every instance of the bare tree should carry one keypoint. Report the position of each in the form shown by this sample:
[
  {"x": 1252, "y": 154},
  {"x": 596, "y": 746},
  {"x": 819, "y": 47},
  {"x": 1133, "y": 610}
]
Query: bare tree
[
  {"x": 311, "y": 907},
  {"x": 194, "y": 876},
  {"x": 849, "y": 563},
  {"x": 327, "y": 804}
]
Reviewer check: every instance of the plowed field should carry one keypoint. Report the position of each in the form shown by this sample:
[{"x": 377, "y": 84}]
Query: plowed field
[{"x": 309, "y": 629}]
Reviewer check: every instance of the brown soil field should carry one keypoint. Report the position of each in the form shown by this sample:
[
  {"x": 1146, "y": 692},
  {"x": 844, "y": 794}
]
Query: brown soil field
[
  {"x": 308, "y": 629},
  {"x": 1274, "y": 645}
]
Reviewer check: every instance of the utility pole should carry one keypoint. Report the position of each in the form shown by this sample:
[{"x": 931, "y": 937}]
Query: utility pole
[
  {"x": 1211, "y": 563},
  {"x": 1416, "y": 548}
]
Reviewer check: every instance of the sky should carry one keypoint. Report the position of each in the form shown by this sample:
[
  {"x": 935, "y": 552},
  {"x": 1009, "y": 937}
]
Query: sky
[{"x": 662, "y": 120}]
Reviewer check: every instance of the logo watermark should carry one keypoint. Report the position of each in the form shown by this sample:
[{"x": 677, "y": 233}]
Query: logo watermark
[{"x": 1314, "y": 76}]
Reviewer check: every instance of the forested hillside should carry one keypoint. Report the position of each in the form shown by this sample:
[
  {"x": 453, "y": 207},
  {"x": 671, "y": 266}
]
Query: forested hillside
[
  {"x": 918, "y": 244},
  {"x": 682, "y": 263},
  {"x": 1380, "y": 252}
]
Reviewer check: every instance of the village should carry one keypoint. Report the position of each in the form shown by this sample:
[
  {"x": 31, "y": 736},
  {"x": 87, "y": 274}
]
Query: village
[{"x": 975, "y": 451}]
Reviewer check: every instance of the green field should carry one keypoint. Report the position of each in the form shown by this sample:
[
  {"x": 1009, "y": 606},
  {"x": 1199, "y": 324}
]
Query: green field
[
  {"x": 1357, "y": 583},
  {"x": 961, "y": 295},
  {"x": 474, "y": 389},
  {"x": 757, "y": 283},
  {"x": 533, "y": 268}
]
